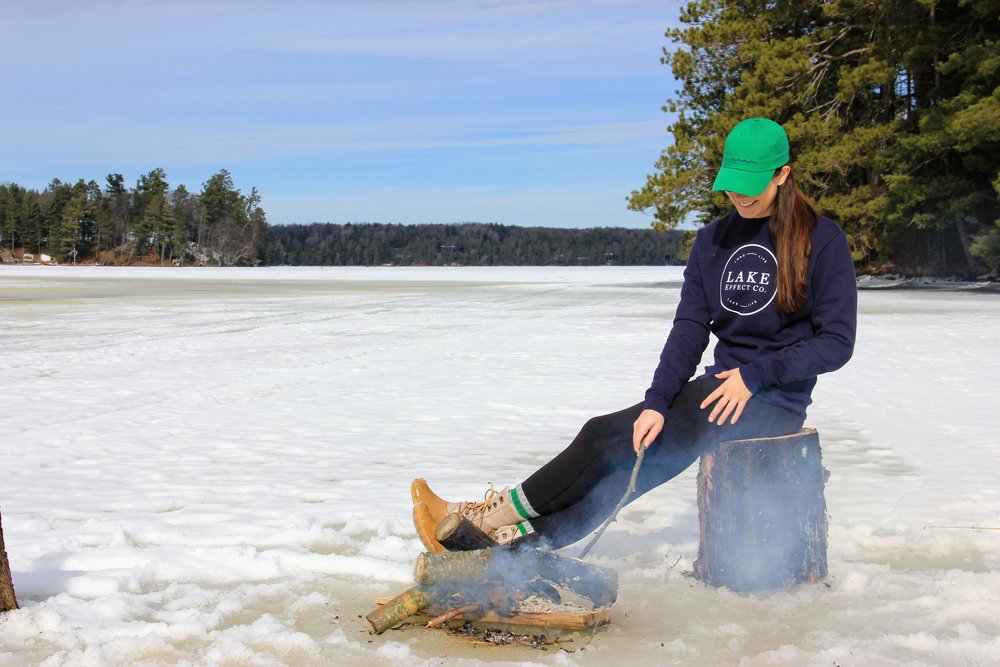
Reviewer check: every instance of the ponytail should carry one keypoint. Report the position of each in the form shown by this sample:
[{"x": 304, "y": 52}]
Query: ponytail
[{"x": 792, "y": 222}]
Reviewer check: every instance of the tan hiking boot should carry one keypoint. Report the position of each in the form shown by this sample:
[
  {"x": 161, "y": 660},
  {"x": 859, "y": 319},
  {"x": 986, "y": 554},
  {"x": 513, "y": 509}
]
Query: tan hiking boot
[
  {"x": 424, "y": 523},
  {"x": 493, "y": 511},
  {"x": 438, "y": 507},
  {"x": 507, "y": 534}
]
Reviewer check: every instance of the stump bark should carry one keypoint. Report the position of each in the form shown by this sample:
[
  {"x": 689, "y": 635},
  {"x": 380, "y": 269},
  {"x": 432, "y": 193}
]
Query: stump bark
[
  {"x": 762, "y": 513},
  {"x": 8, "y": 600}
]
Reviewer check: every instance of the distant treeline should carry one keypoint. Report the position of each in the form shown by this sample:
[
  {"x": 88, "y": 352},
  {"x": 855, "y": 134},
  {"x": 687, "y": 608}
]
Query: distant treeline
[
  {"x": 150, "y": 223},
  {"x": 471, "y": 244},
  {"x": 154, "y": 223}
]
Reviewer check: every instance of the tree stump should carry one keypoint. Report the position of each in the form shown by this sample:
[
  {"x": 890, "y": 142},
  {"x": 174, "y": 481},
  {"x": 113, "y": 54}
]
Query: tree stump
[
  {"x": 7, "y": 599},
  {"x": 762, "y": 513}
]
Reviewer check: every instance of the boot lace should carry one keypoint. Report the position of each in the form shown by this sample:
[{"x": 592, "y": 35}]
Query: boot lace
[{"x": 476, "y": 512}]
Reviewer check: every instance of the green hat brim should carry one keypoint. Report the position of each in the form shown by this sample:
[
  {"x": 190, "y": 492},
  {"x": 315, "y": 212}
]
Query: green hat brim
[{"x": 748, "y": 183}]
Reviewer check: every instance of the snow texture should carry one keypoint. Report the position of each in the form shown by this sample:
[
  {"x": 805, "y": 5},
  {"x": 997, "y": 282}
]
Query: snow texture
[{"x": 210, "y": 466}]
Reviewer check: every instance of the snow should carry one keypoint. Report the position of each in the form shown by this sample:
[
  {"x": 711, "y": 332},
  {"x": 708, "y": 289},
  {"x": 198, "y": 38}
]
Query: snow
[{"x": 211, "y": 466}]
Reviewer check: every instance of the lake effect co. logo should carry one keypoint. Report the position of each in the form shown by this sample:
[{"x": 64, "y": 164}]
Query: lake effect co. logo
[{"x": 747, "y": 284}]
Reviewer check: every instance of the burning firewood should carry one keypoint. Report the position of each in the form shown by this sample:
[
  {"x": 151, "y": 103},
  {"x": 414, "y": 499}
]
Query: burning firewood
[
  {"x": 494, "y": 580},
  {"x": 490, "y": 580},
  {"x": 397, "y": 610},
  {"x": 452, "y": 613},
  {"x": 456, "y": 533},
  {"x": 515, "y": 569}
]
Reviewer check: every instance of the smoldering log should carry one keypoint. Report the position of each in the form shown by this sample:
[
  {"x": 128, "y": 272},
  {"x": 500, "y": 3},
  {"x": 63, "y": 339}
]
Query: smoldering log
[
  {"x": 456, "y": 533},
  {"x": 762, "y": 513},
  {"x": 435, "y": 568},
  {"x": 8, "y": 600},
  {"x": 598, "y": 584},
  {"x": 397, "y": 610},
  {"x": 584, "y": 620},
  {"x": 516, "y": 569}
]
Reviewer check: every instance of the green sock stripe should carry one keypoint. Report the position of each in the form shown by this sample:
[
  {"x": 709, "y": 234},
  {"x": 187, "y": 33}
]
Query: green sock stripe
[
  {"x": 521, "y": 529},
  {"x": 515, "y": 498}
]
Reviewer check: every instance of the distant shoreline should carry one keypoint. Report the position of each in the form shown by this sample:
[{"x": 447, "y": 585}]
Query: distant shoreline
[
  {"x": 945, "y": 284},
  {"x": 866, "y": 282}
]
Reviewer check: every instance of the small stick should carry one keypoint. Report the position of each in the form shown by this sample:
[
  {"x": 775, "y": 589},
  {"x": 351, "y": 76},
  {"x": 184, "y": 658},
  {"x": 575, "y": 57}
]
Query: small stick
[
  {"x": 621, "y": 503},
  {"x": 450, "y": 614}
]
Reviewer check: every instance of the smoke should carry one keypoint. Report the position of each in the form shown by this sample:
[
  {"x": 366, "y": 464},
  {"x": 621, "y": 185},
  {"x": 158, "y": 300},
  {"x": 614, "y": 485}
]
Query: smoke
[
  {"x": 499, "y": 578},
  {"x": 583, "y": 517}
]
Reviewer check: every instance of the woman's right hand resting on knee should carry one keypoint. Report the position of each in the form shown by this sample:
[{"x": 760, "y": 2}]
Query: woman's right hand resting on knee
[{"x": 646, "y": 428}]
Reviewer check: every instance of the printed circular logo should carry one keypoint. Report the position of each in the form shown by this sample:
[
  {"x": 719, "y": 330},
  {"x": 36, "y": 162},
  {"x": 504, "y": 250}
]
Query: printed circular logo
[{"x": 748, "y": 281}]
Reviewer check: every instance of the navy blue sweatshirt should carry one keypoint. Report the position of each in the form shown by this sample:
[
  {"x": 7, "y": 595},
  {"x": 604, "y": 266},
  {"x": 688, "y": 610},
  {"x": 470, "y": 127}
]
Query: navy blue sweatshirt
[{"x": 730, "y": 290}]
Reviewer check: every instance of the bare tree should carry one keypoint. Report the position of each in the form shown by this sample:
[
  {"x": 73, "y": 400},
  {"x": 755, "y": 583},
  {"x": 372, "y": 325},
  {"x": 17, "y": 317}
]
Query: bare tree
[{"x": 7, "y": 599}]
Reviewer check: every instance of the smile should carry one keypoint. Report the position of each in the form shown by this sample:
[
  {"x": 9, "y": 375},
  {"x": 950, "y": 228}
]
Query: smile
[{"x": 748, "y": 204}]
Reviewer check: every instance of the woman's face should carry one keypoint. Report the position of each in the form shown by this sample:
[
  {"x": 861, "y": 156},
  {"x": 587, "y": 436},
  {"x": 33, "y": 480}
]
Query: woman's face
[{"x": 761, "y": 205}]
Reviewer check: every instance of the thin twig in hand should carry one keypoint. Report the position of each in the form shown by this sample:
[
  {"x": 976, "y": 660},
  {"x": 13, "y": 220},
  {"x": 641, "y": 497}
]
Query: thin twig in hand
[{"x": 621, "y": 503}]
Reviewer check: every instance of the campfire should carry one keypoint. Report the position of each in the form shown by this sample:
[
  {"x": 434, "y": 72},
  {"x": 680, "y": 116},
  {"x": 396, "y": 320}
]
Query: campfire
[{"x": 503, "y": 594}]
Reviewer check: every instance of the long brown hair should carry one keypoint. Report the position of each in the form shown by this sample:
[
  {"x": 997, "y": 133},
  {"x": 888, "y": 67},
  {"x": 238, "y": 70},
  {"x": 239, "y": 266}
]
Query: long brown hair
[{"x": 792, "y": 222}]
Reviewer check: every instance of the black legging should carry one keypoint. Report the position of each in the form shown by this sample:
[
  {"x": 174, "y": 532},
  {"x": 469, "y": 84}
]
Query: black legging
[{"x": 577, "y": 490}]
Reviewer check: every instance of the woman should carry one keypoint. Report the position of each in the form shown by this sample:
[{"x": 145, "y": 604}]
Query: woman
[{"x": 775, "y": 283}]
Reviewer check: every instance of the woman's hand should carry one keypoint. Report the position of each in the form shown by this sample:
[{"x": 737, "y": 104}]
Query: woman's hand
[
  {"x": 646, "y": 428},
  {"x": 732, "y": 396}
]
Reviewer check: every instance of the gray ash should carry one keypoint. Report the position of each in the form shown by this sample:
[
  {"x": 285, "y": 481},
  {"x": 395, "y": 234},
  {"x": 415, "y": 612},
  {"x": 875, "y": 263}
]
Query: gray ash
[{"x": 501, "y": 637}]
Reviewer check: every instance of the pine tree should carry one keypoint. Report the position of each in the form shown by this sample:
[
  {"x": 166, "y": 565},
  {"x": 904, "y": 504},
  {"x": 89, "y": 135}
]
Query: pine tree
[
  {"x": 151, "y": 212},
  {"x": 114, "y": 213},
  {"x": 68, "y": 230},
  {"x": 891, "y": 109}
]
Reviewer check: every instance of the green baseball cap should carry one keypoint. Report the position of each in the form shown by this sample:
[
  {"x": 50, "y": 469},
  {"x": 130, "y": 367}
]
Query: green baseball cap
[{"x": 754, "y": 149}]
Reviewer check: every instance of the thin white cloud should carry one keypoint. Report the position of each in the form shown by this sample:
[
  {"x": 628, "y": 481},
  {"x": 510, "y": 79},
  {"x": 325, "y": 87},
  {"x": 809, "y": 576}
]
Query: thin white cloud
[
  {"x": 468, "y": 39},
  {"x": 135, "y": 142}
]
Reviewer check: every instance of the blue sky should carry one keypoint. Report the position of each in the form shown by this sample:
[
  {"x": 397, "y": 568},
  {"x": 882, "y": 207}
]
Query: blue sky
[{"x": 522, "y": 113}]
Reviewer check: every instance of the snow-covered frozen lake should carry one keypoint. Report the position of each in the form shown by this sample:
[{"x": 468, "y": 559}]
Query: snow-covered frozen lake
[{"x": 211, "y": 466}]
